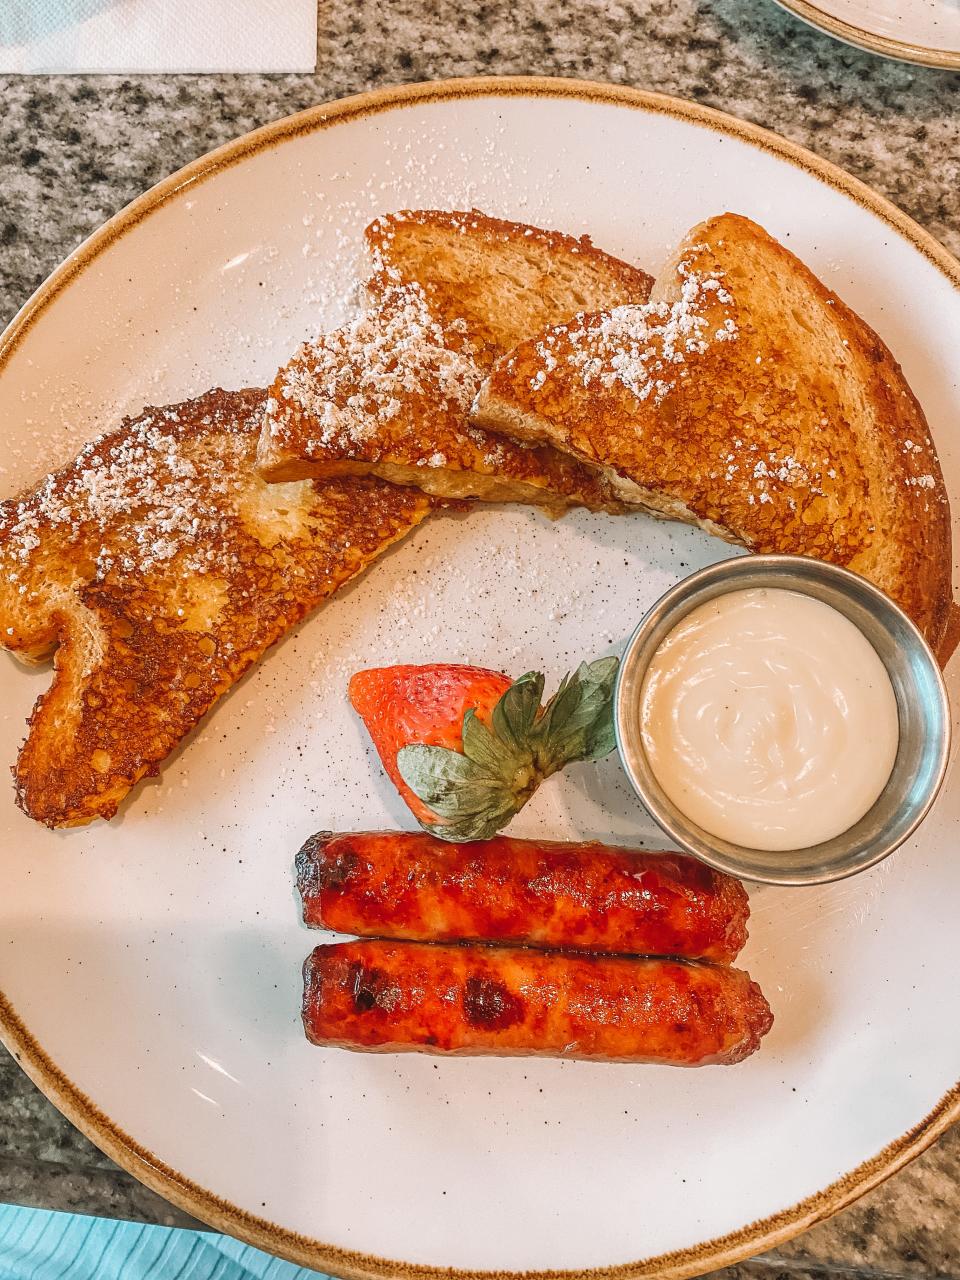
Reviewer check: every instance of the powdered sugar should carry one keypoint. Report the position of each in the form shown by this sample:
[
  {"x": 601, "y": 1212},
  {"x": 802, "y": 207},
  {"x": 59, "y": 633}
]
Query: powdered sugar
[
  {"x": 639, "y": 347},
  {"x": 137, "y": 490},
  {"x": 360, "y": 377}
]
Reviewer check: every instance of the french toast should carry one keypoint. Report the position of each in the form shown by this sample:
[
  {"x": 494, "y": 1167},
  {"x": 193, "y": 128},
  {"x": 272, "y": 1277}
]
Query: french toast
[
  {"x": 748, "y": 399},
  {"x": 504, "y": 280},
  {"x": 156, "y": 568},
  {"x": 388, "y": 394}
]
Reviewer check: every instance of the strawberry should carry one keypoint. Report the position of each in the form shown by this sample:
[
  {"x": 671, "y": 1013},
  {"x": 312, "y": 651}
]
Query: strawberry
[
  {"x": 400, "y": 705},
  {"x": 466, "y": 747}
]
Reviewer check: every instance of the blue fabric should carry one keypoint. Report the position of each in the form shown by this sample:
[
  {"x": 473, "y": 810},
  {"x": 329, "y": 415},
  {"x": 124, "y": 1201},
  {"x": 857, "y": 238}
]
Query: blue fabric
[{"x": 39, "y": 1245}]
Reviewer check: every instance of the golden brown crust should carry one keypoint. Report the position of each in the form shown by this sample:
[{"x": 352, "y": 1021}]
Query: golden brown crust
[
  {"x": 751, "y": 401},
  {"x": 504, "y": 280},
  {"x": 388, "y": 395},
  {"x": 950, "y": 637},
  {"x": 163, "y": 566}
]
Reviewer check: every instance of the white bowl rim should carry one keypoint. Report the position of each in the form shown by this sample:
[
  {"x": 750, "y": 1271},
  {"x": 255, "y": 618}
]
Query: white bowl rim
[{"x": 791, "y": 573}]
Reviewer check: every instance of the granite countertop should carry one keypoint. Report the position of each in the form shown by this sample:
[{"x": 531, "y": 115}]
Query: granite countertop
[{"x": 73, "y": 150}]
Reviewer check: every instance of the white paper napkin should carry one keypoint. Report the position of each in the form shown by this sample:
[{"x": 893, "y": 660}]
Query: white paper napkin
[{"x": 43, "y": 36}]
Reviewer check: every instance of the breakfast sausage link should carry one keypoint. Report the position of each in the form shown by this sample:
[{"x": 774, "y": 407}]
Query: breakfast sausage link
[
  {"x": 508, "y": 1001},
  {"x": 539, "y": 892}
]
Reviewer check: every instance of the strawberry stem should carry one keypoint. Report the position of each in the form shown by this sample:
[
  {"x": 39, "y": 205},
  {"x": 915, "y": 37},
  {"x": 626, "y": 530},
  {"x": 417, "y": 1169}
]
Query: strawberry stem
[{"x": 475, "y": 792}]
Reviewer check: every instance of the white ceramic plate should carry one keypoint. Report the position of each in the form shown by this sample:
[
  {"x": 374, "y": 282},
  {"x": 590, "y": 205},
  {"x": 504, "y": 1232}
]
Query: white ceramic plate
[
  {"x": 150, "y": 967},
  {"x": 924, "y": 31}
]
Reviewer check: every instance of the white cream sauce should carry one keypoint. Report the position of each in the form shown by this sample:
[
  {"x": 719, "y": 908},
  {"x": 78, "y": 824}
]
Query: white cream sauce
[{"x": 769, "y": 720}]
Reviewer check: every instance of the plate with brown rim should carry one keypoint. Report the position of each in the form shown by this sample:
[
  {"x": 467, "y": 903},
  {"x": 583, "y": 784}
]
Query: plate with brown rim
[
  {"x": 150, "y": 966},
  {"x": 926, "y": 31}
]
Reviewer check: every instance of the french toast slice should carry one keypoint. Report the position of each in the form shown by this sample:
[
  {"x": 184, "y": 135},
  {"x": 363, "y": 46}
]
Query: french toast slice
[
  {"x": 505, "y": 280},
  {"x": 748, "y": 399},
  {"x": 388, "y": 394},
  {"x": 156, "y": 568}
]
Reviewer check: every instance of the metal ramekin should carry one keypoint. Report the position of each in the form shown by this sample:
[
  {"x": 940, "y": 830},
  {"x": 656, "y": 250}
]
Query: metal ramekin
[{"x": 924, "y": 712}]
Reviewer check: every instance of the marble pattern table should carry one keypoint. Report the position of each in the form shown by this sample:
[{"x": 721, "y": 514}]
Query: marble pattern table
[{"x": 74, "y": 150}]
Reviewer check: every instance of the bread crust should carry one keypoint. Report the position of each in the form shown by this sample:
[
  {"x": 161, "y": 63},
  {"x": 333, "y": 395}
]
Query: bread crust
[
  {"x": 388, "y": 394},
  {"x": 751, "y": 401},
  {"x": 159, "y": 566},
  {"x": 504, "y": 280}
]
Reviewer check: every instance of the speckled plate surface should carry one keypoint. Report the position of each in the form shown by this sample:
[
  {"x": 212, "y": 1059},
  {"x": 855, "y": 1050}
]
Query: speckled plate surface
[
  {"x": 150, "y": 967},
  {"x": 923, "y": 31}
]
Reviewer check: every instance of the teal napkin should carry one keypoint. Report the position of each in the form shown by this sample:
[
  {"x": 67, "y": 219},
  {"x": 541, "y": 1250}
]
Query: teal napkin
[{"x": 39, "y": 1245}]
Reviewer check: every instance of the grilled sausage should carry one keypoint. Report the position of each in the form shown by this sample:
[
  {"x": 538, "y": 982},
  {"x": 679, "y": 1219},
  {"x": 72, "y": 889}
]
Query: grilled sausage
[
  {"x": 538, "y": 892},
  {"x": 408, "y": 996}
]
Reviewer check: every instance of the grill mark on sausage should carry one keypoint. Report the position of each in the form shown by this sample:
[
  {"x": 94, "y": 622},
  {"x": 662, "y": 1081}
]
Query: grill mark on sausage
[
  {"x": 489, "y": 1005},
  {"x": 373, "y": 989}
]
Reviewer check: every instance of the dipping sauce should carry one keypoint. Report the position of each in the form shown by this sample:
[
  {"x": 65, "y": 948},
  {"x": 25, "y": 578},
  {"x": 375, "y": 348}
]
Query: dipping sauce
[{"x": 769, "y": 720}]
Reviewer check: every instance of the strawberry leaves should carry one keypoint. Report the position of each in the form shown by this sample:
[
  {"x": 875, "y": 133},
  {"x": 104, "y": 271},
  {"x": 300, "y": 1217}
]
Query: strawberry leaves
[{"x": 476, "y": 791}]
